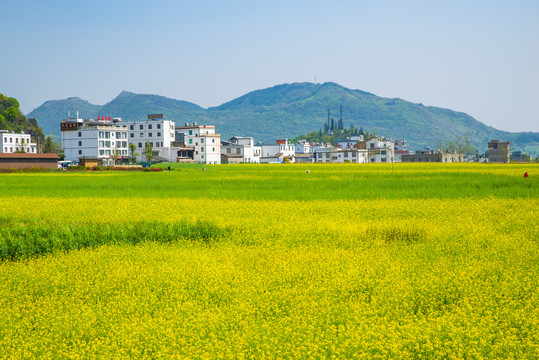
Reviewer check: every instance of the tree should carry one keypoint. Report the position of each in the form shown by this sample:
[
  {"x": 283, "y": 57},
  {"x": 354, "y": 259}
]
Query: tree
[
  {"x": 134, "y": 154},
  {"x": 116, "y": 152},
  {"x": 50, "y": 146},
  {"x": 468, "y": 148},
  {"x": 148, "y": 151}
]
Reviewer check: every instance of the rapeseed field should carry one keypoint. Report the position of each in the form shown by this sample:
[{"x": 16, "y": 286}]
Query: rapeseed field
[{"x": 263, "y": 261}]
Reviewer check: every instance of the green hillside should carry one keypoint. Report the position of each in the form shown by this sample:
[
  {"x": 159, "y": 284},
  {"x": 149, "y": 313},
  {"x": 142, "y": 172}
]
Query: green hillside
[
  {"x": 130, "y": 106},
  {"x": 12, "y": 119},
  {"x": 52, "y": 112},
  {"x": 289, "y": 110}
]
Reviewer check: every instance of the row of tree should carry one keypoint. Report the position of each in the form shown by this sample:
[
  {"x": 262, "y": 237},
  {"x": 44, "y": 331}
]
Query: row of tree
[{"x": 461, "y": 145}]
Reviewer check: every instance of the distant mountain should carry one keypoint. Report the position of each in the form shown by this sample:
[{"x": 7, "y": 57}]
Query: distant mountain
[
  {"x": 289, "y": 110},
  {"x": 52, "y": 112}
]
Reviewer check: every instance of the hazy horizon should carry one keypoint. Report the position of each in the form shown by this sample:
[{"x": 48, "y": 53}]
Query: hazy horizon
[{"x": 480, "y": 58}]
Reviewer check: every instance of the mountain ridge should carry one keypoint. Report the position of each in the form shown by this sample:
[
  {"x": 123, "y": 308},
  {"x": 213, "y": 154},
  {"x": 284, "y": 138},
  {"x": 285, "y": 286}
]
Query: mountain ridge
[{"x": 291, "y": 109}]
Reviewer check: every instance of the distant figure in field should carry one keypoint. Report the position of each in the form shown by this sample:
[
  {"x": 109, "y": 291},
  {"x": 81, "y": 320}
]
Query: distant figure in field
[
  {"x": 169, "y": 168},
  {"x": 308, "y": 172},
  {"x": 203, "y": 169},
  {"x": 526, "y": 174}
]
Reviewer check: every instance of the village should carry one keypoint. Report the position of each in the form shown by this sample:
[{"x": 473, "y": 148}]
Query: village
[{"x": 108, "y": 141}]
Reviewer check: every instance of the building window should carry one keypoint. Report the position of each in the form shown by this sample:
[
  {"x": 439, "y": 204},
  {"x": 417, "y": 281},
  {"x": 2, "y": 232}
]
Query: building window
[
  {"x": 141, "y": 135},
  {"x": 149, "y": 126},
  {"x": 80, "y": 143},
  {"x": 132, "y": 135},
  {"x": 190, "y": 141},
  {"x": 158, "y": 126},
  {"x": 131, "y": 127},
  {"x": 202, "y": 141},
  {"x": 202, "y": 149},
  {"x": 141, "y": 127},
  {"x": 228, "y": 151},
  {"x": 196, "y": 152},
  {"x": 158, "y": 134},
  {"x": 80, "y": 152},
  {"x": 190, "y": 132},
  {"x": 107, "y": 134},
  {"x": 238, "y": 151},
  {"x": 139, "y": 145},
  {"x": 213, "y": 149},
  {"x": 80, "y": 134},
  {"x": 150, "y": 134},
  {"x": 213, "y": 141},
  {"x": 101, "y": 152}
]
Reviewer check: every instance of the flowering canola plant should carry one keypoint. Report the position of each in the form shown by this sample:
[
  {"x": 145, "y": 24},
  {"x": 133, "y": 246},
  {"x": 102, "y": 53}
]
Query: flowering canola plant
[{"x": 348, "y": 264}]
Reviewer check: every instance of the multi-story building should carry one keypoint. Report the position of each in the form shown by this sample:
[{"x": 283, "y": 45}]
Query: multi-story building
[
  {"x": 352, "y": 142},
  {"x": 156, "y": 131},
  {"x": 380, "y": 150},
  {"x": 302, "y": 147},
  {"x": 104, "y": 138},
  {"x": 240, "y": 150},
  {"x": 432, "y": 156},
  {"x": 336, "y": 155},
  {"x": 11, "y": 142},
  {"x": 399, "y": 150},
  {"x": 206, "y": 144},
  {"x": 498, "y": 152},
  {"x": 280, "y": 147}
]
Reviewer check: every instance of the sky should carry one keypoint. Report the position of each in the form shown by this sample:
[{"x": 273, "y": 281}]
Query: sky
[{"x": 477, "y": 57}]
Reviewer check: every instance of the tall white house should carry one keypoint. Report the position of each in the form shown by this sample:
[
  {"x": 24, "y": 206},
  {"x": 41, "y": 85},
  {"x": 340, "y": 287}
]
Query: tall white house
[
  {"x": 380, "y": 150},
  {"x": 302, "y": 147},
  {"x": 104, "y": 138},
  {"x": 240, "y": 150},
  {"x": 282, "y": 147},
  {"x": 11, "y": 142},
  {"x": 206, "y": 144},
  {"x": 156, "y": 131}
]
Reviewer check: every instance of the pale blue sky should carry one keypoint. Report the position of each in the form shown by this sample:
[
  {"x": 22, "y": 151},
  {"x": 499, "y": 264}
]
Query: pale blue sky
[{"x": 478, "y": 57}]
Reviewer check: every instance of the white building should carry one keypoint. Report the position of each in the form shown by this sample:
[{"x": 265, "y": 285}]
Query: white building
[
  {"x": 240, "y": 150},
  {"x": 302, "y": 147},
  {"x": 399, "y": 149},
  {"x": 350, "y": 142},
  {"x": 11, "y": 142},
  {"x": 336, "y": 155},
  {"x": 104, "y": 138},
  {"x": 206, "y": 144},
  {"x": 282, "y": 147},
  {"x": 156, "y": 131},
  {"x": 380, "y": 150}
]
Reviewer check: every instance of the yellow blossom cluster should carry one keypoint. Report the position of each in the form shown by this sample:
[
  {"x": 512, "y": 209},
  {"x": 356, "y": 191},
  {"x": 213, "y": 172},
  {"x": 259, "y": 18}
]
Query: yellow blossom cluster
[{"x": 324, "y": 278}]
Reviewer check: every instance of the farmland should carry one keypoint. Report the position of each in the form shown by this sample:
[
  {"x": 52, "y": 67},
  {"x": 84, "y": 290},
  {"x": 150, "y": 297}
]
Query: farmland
[{"x": 254, "y": 261}]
